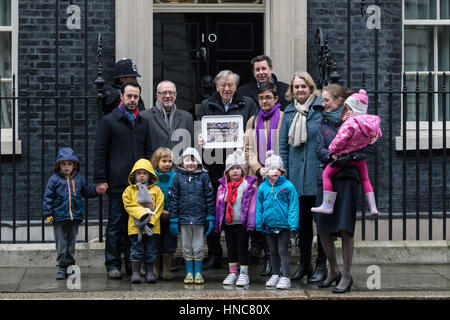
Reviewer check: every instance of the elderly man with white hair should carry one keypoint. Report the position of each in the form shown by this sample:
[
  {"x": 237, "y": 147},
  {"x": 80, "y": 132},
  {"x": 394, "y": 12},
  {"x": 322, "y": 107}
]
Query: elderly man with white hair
[{"x": 225, "y": 101}]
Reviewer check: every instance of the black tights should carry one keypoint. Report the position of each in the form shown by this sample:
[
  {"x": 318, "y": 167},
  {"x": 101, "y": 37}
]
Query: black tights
[{"x": 347, "y": 255}]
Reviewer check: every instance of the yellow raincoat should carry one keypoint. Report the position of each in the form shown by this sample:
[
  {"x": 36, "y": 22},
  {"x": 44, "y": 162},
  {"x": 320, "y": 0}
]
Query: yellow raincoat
[{"x": 130, "y": 201}]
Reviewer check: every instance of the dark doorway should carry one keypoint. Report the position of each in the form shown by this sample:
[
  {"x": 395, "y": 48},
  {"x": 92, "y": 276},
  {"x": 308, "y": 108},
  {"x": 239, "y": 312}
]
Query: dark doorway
[{"x": 191, "y": 48}]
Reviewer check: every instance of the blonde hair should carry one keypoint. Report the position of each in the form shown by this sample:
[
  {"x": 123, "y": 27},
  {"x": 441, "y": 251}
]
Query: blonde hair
[
  {"x": 308, "y": 80},
  {"x": 160, "y": 153}
]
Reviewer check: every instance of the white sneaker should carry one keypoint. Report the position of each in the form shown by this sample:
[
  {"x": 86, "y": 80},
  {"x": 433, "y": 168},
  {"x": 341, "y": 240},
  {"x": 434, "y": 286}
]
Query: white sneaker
[
  {"x": 284, "y": 283},
  {"x": 242, "y": 280},
  {"x": 273, "y": 281},
  {"x": 230, "y": 279}
]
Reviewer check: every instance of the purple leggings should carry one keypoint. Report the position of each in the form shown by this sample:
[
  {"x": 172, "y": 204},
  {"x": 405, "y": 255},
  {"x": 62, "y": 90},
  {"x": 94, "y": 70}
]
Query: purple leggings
[{"x": 329, "y": 172}]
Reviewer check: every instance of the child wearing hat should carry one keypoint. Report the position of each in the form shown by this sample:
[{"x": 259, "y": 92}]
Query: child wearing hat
[
  {"x": 144, "y": 202},
  {"x": 358, "y": 130},
  {"x": 277, "y": 217},
  {"x": 235, "y": 213},
  {"x": 63, "y": 206},
  {"x": 192, "y": 208}
]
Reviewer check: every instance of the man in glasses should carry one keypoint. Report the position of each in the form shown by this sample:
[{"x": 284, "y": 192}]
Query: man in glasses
[
  {"x": 170, "y": 127},
  {"x": 263, "y": 72}
]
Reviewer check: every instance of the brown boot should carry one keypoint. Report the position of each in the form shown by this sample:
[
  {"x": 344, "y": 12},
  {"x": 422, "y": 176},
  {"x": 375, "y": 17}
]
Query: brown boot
[
  {"x": 157, "y": 267},
  {"x": 166, "y": 262}
]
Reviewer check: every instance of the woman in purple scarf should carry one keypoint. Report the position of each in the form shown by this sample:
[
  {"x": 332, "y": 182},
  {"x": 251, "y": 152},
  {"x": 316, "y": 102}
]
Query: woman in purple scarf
[{"x": 262, "y": 134}]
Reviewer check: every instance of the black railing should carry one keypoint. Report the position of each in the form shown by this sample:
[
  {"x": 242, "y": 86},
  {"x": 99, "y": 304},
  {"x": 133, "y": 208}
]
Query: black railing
[
  {"x": 45, "y": 123},
  {"x": 410, "y": 183}
]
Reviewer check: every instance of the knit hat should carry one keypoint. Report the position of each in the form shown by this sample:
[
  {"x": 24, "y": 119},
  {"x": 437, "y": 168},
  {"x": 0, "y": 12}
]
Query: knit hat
[
  {"x": 358, "y": 102},
  {"x": 235, "y": 159},
  {"x": 273, "y": 161}
]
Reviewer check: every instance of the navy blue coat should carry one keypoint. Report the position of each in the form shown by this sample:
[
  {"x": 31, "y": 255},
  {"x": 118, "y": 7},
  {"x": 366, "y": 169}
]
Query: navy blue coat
[
  {"x": 192, "y": 197},
  {"x": 63, "y": 196}
]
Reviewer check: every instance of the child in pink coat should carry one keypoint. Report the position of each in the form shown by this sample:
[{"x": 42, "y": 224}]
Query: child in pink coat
[{"x": 359, "y": 130}]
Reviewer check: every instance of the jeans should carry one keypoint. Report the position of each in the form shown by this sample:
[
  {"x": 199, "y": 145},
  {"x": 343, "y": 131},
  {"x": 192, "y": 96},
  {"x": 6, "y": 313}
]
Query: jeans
[
  {"x": 65, "y": 240},
  {"x": 167, "y": 243},
  {"x": 116, "y": 234},
  {"x": 146, "y": 250}
]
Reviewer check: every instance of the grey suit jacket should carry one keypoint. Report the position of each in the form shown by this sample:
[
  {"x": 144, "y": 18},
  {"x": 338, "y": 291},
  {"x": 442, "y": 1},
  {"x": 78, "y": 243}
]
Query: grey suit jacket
[{"x": 174, "y": 139}]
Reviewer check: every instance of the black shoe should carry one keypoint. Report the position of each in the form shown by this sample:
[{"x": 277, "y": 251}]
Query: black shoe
[
  {"x": 304, "y": 269},
  {"x": 212, "y": 263},
  {"x": 267, "y": 271},
  {"x": 320, "y": 273},
  {"x": 336, "y": 279},
  {"x": 336, "y": 290}
]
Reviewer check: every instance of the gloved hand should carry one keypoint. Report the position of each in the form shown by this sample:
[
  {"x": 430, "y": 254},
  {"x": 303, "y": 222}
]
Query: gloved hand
[
  {"x": 210, "y": 224},
  {"x": 173, "y": 227},
  {"x": 342, "y": 161},
  {"x": 49, "y": 219}
]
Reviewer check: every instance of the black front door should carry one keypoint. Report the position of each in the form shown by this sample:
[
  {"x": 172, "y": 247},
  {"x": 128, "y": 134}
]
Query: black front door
[{"x": 191, "y": 48}]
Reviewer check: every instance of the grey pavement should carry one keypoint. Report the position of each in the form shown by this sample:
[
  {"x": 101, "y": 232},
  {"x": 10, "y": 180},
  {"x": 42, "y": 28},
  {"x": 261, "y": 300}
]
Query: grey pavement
[{"x": 396, "y": 282}]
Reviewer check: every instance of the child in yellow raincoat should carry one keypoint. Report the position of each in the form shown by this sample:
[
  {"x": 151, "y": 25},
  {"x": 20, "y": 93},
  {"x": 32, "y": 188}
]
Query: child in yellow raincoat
[{"x": 144, "y": 202}]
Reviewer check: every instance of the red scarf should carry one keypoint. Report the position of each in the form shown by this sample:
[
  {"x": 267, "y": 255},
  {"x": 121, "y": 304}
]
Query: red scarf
[{"x": 231, "y": 197}]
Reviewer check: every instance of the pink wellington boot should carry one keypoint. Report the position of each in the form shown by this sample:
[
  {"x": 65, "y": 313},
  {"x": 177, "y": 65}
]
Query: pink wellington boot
[
  {"x": 329, "y": 197},
  {"x": 370, "y": 197}
]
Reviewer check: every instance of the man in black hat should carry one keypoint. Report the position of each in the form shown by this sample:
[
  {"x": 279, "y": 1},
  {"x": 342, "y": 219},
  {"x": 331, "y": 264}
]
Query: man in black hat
[{"x": 125, "y": 70}]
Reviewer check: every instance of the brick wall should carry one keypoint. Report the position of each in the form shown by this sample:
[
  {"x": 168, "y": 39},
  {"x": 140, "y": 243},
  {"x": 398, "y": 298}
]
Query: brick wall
[
  {"x": 37, "y": 59},
  {"x": 331, "y": 17}
]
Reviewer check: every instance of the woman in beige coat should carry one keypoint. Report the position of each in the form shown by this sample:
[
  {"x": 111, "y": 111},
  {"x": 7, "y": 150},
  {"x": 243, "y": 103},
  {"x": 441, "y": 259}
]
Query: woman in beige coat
[{"x": 262, "y": 134}]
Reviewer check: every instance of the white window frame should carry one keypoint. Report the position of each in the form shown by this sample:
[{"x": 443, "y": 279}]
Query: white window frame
[
  {"x": 437, "y": 140},
  {"x": 6, "y": 135}
]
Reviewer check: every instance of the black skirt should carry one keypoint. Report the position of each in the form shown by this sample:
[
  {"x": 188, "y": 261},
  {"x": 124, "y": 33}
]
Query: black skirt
[{"x": 347, "y": 186}]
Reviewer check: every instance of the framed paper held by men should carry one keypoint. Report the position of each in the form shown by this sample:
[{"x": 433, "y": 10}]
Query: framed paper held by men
[{"x": 223, "y": 131}]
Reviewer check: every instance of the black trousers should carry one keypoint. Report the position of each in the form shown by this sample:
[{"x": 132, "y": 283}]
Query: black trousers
[
  {"x": 236, "y": 237},
  {"x": 306, "y": 232}
]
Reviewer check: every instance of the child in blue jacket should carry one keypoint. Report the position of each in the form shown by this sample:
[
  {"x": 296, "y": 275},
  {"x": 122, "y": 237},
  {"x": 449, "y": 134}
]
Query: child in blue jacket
[
  {"x": 192, "y": 207},
  {"x": 162, "y": 161},
  {"x": 63, "y": 206},
  {"x": 277, "y": 216}
]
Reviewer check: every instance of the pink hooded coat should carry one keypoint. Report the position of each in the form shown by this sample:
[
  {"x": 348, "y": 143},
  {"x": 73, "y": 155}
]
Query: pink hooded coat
[{"x": 356, "y": 133}]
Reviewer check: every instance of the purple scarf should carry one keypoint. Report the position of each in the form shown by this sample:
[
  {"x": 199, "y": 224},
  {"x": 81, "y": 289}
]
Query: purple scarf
[{"x": 261, "y": 144}]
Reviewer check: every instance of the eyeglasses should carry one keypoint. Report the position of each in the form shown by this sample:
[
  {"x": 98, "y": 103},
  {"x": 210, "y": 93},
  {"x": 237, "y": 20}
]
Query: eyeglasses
[
  {"x": 267, "y": 98},
  {"x": 165, "y": 93}
]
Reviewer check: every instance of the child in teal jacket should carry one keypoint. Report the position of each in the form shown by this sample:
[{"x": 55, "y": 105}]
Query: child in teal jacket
[{"x": 277, "y": 216}]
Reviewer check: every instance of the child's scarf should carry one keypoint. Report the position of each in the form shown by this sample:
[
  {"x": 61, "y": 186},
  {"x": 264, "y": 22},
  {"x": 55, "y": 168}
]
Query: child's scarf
[{"x": 231, "y": 197}]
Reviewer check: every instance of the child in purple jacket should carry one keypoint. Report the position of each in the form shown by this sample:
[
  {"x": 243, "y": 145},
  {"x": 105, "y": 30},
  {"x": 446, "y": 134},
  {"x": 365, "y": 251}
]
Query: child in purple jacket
[
  {"x": 235, "y": 213},
  {"x": 359, "y": 130}
]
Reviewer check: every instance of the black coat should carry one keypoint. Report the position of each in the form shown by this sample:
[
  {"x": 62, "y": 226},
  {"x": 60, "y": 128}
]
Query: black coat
[
  {"x": 160, "y": 134},
  {"x": 111, "y": 98},
  {"x": 213, "y": 105},
  {"x": 346, "y": 183},
  {"x": 251, "y": 90},
  {"x": 117, "y": 148}
]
